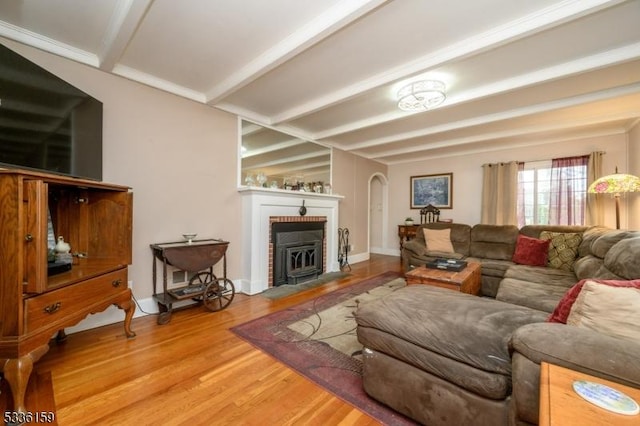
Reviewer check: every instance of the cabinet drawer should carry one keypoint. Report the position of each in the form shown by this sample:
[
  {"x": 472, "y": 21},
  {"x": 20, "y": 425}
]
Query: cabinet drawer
[{"x": 56, "y": 306}]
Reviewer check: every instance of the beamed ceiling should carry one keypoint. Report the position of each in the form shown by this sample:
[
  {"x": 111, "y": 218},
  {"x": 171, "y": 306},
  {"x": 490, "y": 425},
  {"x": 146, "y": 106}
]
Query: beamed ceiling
[{"x": 516, "y": 72}]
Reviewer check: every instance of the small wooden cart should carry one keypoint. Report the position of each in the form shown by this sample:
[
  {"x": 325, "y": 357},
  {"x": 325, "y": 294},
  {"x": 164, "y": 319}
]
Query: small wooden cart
[{"x": 197, "y": 257}]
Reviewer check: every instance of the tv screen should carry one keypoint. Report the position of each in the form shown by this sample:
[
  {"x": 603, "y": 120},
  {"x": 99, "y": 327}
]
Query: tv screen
[{"x": 46, "y": 123}]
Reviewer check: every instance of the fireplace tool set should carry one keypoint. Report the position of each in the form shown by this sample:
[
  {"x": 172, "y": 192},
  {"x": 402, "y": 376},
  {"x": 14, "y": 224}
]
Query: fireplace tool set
[{"x": 343, "y": 248}]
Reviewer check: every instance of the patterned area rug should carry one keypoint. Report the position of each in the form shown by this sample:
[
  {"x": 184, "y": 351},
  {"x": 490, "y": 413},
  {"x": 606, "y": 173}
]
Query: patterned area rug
[{"x": 318, "y": 339}]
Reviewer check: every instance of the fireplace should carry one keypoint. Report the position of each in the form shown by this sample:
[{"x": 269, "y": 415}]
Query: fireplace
[
  {"x": 261, "y": 207},
  {"x": 298, "y": 251}
]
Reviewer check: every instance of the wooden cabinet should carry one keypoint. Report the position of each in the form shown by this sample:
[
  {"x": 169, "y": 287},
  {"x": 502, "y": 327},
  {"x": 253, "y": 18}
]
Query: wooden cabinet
[{"x": 96, "y": 219}]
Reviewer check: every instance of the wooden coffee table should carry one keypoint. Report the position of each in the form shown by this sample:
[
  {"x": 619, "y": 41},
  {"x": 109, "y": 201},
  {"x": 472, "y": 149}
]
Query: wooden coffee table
[{"x": 466, "y": 281}]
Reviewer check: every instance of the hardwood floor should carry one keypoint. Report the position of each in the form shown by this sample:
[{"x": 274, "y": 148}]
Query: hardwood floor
[{"x": 190, "y": 371}]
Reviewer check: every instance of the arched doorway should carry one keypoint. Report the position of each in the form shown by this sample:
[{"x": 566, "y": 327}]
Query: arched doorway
[{"x": 378, "y": 213}]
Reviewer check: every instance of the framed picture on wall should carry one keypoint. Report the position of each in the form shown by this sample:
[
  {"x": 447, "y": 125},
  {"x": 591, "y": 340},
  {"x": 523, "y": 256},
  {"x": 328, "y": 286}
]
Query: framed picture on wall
[{"x": 436, "y": 190}]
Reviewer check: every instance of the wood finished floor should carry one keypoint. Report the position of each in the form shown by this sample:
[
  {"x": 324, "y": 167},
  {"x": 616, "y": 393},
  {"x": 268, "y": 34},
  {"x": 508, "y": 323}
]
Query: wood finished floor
[{"x": 188, "y": 372}]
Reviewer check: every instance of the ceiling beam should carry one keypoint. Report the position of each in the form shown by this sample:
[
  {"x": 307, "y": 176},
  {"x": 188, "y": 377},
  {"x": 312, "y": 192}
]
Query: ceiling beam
[
  {"x": 125, "y": 20},
  {"x": 533, "y": 23},
  {"x": 274, "y": 147},
  {"x": 483, "y": 150},
  {"x": 321, "y": 27},
  {"x": 290, "y": 159},
  {"x": 579, "y": 66},
  {"x": 499, "y": 116},
  {"x": 511, "y": 133}
]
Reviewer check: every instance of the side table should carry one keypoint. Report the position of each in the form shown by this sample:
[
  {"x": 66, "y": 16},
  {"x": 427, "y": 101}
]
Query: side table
[
  {"x": 406, "y": 233},
  {"x": 560, "y": 405}
]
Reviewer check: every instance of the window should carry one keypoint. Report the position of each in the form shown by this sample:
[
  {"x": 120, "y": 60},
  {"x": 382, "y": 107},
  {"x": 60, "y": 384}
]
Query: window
[{"x": 552, "y": 192}]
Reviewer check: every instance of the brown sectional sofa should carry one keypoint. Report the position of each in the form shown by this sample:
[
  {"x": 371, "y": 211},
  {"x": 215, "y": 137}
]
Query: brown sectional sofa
[{"x": 448, "y": 358}]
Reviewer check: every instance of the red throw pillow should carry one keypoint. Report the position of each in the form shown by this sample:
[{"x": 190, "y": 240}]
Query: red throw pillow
[
  {"x": 531, "y": 251},
  {"x": 562, "y": 311}
]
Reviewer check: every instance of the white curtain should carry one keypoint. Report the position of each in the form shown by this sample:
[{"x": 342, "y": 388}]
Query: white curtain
[
  {"x": 594, "y": 214},
  {"x": 500, "y": 193}
]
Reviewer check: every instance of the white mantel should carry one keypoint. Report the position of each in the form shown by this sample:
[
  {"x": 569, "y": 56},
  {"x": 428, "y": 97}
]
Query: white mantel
[{"x": 258, "y": 205}]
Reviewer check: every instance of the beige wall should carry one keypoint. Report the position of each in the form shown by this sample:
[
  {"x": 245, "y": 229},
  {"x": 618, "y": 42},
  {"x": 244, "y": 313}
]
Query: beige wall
[
  {"x": 179, "y": 157},
  {"x": 633, "y": 200},
  {"x": 350, "y": 177},
  {"x": 467, "y": 176}
]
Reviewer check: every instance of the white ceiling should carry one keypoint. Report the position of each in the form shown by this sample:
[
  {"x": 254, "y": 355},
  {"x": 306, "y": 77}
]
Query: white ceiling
[{"x": 517, "y": 72}]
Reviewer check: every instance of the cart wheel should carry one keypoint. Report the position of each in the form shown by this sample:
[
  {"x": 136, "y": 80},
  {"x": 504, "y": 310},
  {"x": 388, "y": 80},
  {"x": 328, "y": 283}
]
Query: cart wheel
[
  {"x": 201, "y": 279},
  {"x": 218, "y": 294}
]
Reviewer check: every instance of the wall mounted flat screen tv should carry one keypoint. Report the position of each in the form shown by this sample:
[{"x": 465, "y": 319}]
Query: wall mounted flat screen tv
[{"x": 47, "y": 124}]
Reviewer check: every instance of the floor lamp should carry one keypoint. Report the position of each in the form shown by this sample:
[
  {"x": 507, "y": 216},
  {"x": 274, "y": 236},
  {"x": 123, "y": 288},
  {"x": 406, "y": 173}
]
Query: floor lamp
[{"x": 616, "y": 184}]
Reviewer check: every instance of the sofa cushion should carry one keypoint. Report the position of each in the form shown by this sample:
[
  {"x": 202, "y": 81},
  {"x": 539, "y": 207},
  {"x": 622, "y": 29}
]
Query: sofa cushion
[
  {"x": 608, "y": 310},
  {"x": 563, "y": 248},
  {"x": 456, "y": 336},
  {"x": 600, "y": 247},
  {"x": 622, "y": 258},
  {"x": 588, "y": 237},
  {"x": 531, "y": 251},
  {"x": 563, "y": 309},
  {"x": 492, "y": 267},
  {"x": 438, "y": 240},
  {"x": 593, "y": 267},
  {"x": 538, "y": 296},
  {"x": 493, "y": 241},
  {"x": 535, "y": 230},
  {"x": 542, "y": 275}
]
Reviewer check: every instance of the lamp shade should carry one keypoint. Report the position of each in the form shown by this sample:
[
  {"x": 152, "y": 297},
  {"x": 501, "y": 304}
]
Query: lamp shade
[{"x": 617, "y": 183}]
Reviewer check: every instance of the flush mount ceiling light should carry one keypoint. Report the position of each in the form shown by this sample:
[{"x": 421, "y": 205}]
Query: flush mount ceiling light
[{"x": 421, "y": 95}]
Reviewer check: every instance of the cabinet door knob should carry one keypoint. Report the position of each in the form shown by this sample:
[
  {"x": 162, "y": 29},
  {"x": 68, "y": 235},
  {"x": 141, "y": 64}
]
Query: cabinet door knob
[
  {"x": 28, "y": 238},
  {"x": 116, "y": 283},
  {"x": 52, "y": 308}
]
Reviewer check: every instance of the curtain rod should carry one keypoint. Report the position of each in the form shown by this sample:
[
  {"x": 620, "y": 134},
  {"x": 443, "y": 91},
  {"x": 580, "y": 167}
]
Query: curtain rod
[{"x": 533, "y": 161}]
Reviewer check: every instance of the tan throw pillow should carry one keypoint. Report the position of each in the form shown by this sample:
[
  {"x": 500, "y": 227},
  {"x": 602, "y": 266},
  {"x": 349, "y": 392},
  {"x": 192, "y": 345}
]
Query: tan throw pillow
[
  {"x": 563, "y": 248},
  {"x": 614, "y": 311},
  {"x": 438, "y": 240}
]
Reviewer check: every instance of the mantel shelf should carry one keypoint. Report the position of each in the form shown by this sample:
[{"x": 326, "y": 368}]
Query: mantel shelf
[{"x": 250, "y": 190}]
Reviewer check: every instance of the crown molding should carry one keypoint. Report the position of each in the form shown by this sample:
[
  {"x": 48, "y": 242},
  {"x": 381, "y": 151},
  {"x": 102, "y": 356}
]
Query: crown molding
[
  {"x": 158, "y": 83},
  {"x": 41, "y": 42}
]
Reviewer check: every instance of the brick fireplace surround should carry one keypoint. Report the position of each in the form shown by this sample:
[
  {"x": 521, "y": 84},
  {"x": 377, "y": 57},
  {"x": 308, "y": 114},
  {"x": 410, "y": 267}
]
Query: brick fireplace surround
[{"x": 261, "y": 207}]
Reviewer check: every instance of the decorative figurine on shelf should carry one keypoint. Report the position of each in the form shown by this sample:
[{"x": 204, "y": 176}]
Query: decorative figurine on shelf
[
  {"x": 261, "y": 178},
  {"x": 62, "y": 246},
  {"x": 62, "y": 250}
]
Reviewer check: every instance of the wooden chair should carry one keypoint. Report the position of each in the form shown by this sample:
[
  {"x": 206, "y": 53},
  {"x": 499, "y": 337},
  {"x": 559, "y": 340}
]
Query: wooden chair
[{"x": 429, "y": 214}]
